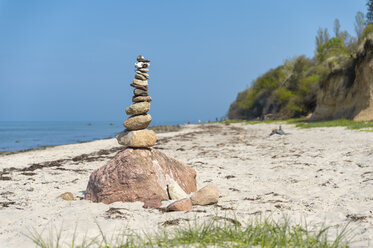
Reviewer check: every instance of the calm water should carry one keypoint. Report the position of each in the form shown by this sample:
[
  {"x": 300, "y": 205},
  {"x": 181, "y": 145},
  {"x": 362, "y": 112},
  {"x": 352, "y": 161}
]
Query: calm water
[{"x": 26, "y": 135}]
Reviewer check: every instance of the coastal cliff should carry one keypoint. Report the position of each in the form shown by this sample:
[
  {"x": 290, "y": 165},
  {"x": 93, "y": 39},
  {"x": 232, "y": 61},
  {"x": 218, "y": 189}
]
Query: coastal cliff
[
  {"x": 336, "y": 86},
  {"x": 348, "y": 92}
]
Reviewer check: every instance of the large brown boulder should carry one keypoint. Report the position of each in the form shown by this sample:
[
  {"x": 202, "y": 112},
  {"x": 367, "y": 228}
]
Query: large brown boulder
[{"x": 138, "y": 175}]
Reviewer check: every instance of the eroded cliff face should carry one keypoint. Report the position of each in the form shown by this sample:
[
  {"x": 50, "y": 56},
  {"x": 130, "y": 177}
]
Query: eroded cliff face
[{"x": 348, "y": 92}]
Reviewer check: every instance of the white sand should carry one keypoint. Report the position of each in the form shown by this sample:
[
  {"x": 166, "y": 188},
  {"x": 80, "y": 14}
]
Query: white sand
[{"x": 322, "y": 176}]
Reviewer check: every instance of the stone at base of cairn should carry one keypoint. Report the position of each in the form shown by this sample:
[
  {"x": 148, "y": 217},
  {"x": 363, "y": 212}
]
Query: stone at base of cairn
[
  {"x": 137, "y": 139},
  {"x": 138, "y": 175}
]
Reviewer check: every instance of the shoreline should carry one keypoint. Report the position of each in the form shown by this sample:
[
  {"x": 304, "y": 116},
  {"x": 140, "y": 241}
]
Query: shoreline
[
  {"x": 5, "y": 153},
  {"x": 320, "y": 175},
  {"x": 158, "y": 129}
]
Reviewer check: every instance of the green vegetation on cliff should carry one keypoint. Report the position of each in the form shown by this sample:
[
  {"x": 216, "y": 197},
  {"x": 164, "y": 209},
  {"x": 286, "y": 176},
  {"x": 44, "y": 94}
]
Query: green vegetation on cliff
[{"x": 289, "y": 91}]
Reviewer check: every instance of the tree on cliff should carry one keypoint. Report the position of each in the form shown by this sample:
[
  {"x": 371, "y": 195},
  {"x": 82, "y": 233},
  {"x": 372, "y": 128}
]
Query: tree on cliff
[
  {"x": 337, "y": 28},
  {"x": 369, "y": 27},
  {"x": 370, "y": 12},
  {"x": 322, "y": 37},
  {"x": 359, "y": 24}
]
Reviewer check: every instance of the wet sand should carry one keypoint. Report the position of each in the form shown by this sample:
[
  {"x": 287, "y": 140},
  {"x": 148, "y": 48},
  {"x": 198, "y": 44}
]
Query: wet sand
[{"x": 320, "y": 175}]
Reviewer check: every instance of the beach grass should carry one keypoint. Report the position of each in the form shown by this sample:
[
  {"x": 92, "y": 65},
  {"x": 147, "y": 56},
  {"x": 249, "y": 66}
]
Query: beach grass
[
  {"x": 304, "y": 123},
  {"x": 349, "y": 124},
  {"x": 217, "y": 232},
  {"x": 253, "y": 122}
]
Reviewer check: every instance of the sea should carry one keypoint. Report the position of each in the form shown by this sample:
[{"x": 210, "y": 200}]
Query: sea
[
  {"x": 25, "y": 135},
  {"x": 16, "y": 136}
]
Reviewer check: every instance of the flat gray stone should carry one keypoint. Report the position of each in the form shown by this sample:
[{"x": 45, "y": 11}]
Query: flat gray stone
[
  {"x": 146, "y": 75},
  {"x": 140, "y": 82},
  {"x": 140, "y": 92},
  {"x": 140, "y": 76},
  {"x": 141, "y": 99},
  {"x": 142, "y": 69}
]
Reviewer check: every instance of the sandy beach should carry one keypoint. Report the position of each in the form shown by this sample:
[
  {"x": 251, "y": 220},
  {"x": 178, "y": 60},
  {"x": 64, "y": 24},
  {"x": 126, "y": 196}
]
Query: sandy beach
[{"x": 323, "y": 176}]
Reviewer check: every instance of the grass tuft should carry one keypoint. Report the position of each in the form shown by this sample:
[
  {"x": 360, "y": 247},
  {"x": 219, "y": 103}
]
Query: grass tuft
[{"x": 217, "y": 232}]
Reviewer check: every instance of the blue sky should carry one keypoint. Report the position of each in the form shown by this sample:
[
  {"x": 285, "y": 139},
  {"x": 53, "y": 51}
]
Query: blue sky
[{"x": 73, "y": 60}]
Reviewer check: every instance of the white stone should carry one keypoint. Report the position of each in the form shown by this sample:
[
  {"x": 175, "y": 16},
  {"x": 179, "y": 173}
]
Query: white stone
[{"x": 175, "y": 191}]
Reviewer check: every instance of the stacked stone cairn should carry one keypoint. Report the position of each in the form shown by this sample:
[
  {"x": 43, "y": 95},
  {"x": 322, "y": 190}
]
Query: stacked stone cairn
[
  {"x": 136, "y": 135},
  {"x": 142, "y": 173}
]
